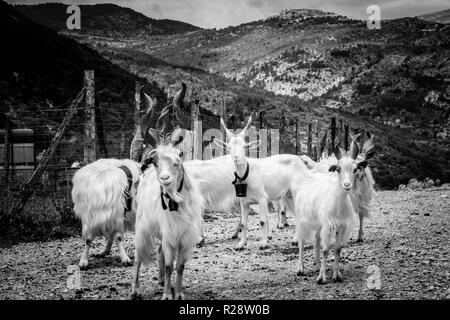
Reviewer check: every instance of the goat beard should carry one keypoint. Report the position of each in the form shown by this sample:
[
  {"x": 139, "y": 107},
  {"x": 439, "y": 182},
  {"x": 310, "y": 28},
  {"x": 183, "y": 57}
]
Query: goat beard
[
  {"x": 172, "y": 190},
  {"x": 173, "y": 193}
]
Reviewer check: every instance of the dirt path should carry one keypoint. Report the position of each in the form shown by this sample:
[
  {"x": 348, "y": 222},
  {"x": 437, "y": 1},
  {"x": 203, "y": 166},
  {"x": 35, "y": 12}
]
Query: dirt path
[{"x": 410, "y": 248}]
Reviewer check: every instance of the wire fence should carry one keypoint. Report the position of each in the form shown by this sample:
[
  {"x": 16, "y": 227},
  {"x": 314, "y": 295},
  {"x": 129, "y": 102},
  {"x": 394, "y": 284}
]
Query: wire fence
[{"x": 113, "y": 139}]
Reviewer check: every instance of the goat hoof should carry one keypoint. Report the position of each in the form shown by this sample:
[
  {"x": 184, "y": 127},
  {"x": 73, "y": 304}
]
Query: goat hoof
[
  {"x": 83, "y": 264},
  {"x": 234, "y": 236},
  {"x": 136, "y": 296},
  {"x": 103, "y": 254},
  {"x": 167, "y": 296},
  {"x": 286, "y": 224},
  {"x": 201, "y": 243},
  {"x": 280, "y": 226},
  {"x": 161, "y": 283},
  {"x": 269, "y": 237},
  {"x": 263, "y": 246},
  {"x": 179, "y": 296},
  {"x": 360, "y": 240},
  {"x": 240, "y": 247},
  {"x": 294, "y": 243},
  {"x": 322, "y": 278},
  {"x": 126, "y": 262},
  {"x": 300, "y": 271},
  {"x": 337, "y": 276}
]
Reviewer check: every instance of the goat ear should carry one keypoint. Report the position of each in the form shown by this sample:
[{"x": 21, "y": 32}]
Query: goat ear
[
  {"x": 362, "y": 164},
  {"x": 246, "y": 126},
  {"x": 228, "y": 132},
  {"x": 333, "y": 168},
  {"x": 220, "y": 143},
  {"x": 150, "y": 158},
  {"x": 253, "y": 144},
  {"x": 354, "y": 150},
  {"x": 368, "y": 146},
  {"x": 338, "y": 152}
]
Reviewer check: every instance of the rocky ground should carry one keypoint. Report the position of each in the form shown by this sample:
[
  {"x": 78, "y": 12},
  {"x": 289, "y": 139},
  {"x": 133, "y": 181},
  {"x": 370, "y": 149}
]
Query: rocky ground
[{"x": 407, "y": 240}]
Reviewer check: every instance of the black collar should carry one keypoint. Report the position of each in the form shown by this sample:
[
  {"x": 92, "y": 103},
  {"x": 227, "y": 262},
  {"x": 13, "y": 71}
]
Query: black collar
[
  {"x": 173, "y": 206},
  {"x": 130, "y": 182},
  {"x": 241, "y": 179}
]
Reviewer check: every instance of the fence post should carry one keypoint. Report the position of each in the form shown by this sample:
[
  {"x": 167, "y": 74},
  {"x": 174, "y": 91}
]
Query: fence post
[
  {"x": 269, "y": 139},
  {"x": 89, "y": 127},
  {"x": 223, "y": 115},
  {"x": 196, "y": 127},
  {"x": 346, "y": 137},
  {"x": 67, "y": 183},
  {"x": 297, "y": 138},
  {"x": 7, "y": 148},
  {"x": 262, "y": 137},
  {"x": 282, "y": 122},
  {"x": 318, "y": 142},
  {"x": 28, "y": 189},
  {"x": 137, "y": 144},
  {"x": 332, "y": 136},
  {"x": 309, "y": 141}
]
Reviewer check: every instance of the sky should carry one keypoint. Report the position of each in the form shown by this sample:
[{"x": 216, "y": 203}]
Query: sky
[{"x": 223, "y": 13}]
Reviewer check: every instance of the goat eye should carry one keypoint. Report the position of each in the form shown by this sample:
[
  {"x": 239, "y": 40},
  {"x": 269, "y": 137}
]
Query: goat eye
[{"x": 181, "y": 154}]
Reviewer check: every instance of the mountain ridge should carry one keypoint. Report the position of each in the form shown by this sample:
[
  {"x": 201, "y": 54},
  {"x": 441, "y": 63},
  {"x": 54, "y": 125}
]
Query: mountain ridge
[{"x": 104, "y": 19}]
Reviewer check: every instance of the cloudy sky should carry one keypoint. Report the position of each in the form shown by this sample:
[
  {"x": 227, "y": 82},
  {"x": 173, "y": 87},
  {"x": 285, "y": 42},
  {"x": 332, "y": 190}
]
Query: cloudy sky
[{"x": 223, "y": 13}]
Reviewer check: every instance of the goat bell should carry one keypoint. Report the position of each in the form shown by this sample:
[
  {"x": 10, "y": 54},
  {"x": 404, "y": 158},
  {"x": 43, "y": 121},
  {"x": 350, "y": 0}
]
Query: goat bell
[{"x": 241, "y": 189}]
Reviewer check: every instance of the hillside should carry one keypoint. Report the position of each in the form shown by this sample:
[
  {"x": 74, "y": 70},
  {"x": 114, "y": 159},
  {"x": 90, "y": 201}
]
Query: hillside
[
  {"x": 223, "y": 64},
  {"x": 104, "y": 19},
  {"x": 438, "y": 17},
  {"x": 397, "y": 75},
  {"x": 41, "y": 72}
]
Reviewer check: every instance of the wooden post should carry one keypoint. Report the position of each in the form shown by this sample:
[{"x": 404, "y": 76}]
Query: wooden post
[
  {"x": 346, "y": 137},
  {"x": 269, "y": 139},
  {"x": 196, "y": 127},
  {"x": 137, "y": 144},
  {"x": 318, "y": 144},
  {"x": 323, "y": 142},
  {"x": 274, "y": 141},
  {"x": 28, "y": 189},
  {"x": 223, "y": 115},
  {"x": 309, "y": 141},
  {"x": 7, "y": 148},
  {"x": 341, "y": 132},
  {"x": 66, "y": 173},
  {"x": 89, "y": 128},
  {"x": 260, "y": 135},
  {"x": 332, "y": 135},
  {"x": 297, "y": 138},
  {"x": 282, "y": 122}
]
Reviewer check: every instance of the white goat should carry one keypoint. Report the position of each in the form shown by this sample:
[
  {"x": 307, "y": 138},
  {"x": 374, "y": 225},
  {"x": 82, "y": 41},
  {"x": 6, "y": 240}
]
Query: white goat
[
  {"x": 100, "y": 191},
  {"x": 323, "y": 204},
  {"x": 169, "y": 208},
  {"x": 363, "y": 188},
  {"x": 214, "y": 177},
  {"x": 267, "y": 179}
]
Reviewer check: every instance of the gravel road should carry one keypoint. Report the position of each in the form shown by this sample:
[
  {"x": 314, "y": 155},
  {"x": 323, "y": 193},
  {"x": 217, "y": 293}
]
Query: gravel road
[{"x": 407, "y": 241}]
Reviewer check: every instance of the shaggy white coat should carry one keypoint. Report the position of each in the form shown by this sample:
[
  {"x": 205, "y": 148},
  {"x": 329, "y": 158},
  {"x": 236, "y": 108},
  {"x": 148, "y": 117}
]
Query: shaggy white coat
[
  {"x": 172, "y": 227},
  {"x": 99, "y": 197}
]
